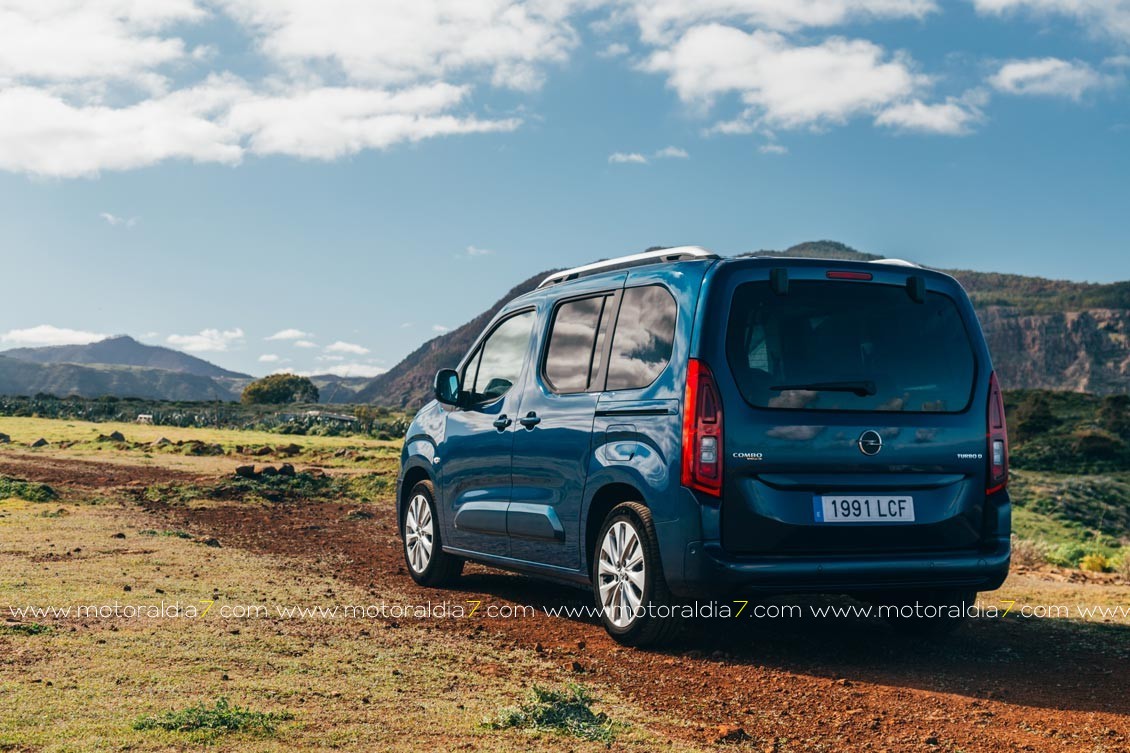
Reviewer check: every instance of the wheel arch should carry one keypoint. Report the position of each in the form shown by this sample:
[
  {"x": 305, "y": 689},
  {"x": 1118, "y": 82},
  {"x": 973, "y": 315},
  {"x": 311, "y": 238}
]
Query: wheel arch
[
  {"x": 605, "y": 498},
  {"x": 412, "y": 475}
]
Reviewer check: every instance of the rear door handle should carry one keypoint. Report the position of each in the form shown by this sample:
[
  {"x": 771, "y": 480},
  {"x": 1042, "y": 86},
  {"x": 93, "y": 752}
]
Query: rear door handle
[
  {"x": 530, "y": 420},
  {"x": 502, "y": 422}
]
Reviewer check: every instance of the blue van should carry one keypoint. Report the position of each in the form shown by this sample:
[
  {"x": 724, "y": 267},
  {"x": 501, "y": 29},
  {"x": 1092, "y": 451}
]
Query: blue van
[{"x": 674, "y": 427}]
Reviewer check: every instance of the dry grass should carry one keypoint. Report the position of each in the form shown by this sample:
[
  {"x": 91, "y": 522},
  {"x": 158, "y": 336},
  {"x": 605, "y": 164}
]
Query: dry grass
[{"x": 350, "y": 684}]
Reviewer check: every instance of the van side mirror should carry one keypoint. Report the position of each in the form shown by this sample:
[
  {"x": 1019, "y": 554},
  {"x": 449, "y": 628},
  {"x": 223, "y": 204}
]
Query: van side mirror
[{"x": 447, "y": 386}]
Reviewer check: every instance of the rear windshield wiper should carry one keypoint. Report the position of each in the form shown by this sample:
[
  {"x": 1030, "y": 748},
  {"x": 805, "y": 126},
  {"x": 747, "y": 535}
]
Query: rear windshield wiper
[{"x": 861, "y": 388}]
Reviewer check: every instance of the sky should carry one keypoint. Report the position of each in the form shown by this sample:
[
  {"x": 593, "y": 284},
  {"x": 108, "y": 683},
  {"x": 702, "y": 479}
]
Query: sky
[{"x": 322, "y": 186}]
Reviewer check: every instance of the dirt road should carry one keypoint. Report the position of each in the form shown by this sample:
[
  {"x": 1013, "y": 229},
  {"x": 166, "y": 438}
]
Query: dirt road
[{"x": 796, "y": 684}]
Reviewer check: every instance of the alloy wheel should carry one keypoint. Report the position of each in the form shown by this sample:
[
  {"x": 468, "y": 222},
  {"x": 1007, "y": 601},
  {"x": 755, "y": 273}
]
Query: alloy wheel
[{"x": 621, "y": 574}]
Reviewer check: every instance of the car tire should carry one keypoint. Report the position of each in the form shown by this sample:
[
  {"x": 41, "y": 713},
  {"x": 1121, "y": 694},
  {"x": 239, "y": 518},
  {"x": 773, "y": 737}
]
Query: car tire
[
  {"x": 627, "y": 578},
  {"x": 427, "y": 563},
  {"x": 909, "y": 614}
]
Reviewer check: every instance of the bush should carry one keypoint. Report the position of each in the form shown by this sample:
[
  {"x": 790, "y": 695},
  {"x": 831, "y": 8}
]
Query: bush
[
  {"x": 208, "y": 722},
  {"x": 1094, "y": 563},
  {"x": 1067, "y": 555},
  {"x": 1122, "y": 566},
  {"x": 29, "y": 490},
  {"x": 1096, "y": 445},
  {"x": 1028, "y": 553},
  {"x": 1114, "y": 415},
  {"x": 279, "y": 389},
  {"x": 566, "y": 712}
]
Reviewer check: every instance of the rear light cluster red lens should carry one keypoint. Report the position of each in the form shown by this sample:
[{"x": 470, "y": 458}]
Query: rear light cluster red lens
[
  {"x": 997, "y": 439},
  {"x": 845, "y": 275},
  {"x": 702, "y": 431}
]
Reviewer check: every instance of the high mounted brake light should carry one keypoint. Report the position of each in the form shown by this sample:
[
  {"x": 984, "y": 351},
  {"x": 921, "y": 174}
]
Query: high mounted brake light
[
  {"x": 702, "y": 431},
  {"x": 838, "y": 274},
  {"x": 997, "y": 436}
]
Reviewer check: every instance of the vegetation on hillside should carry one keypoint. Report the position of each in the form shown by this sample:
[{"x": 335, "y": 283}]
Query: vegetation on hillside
[
  {"x": 295, "y": 419},
  {"x": 1071, "y": 478},
  {"x": 279, "y": 389}
]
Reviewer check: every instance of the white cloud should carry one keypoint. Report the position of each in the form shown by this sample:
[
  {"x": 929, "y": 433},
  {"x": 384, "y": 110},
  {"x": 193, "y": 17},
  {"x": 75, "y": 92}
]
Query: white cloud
[
  {"x": 439, "y": 328},
  {"x": 1049, "y": 77},
  {"x": 344, "y": 347},
  {"x": 63, "y": 40},
  {"x": 208, "y": 340},
  {"x": 1110, "y": 18},
  {"x": 43, "y": 133},
  {"x": 329, "y": 122},
  {"x": 46, "y": 334},
  {"x": 671, "y": 152},
  {"x": 289, "y": 334},
  {"x": 406, "y": 325},
  {"x": 397, "y": 43},
  {"x": 614, "y": 50},
  {"x": 950, "y": 118},
  {"x": 355, "y": 370},
  {"x": 782, "y": 84},
  {"x": 773, "y": 149},
  {"x": 662, "y": 20},
  {"x": 269, "y": 358},
  {"x": 476, "y": 251},
  {"x": 305, "y": 344},
  {"x": 95, "y": 85},
  {"x": 114, "y": 220},
  {"x": 627, "y": 158}
]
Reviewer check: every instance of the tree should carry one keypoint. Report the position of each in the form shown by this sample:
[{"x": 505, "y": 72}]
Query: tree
[
  {"x": 278, "y": 389},
  {"x": 1114, "y": 415}
]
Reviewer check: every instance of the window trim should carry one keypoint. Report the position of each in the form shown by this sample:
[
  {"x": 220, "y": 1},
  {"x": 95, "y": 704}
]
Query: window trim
[
  {"x": 475, "y": 355},
  {"x": 604, "y": 325},
  {"x": 607, "y": 362},
  {"x": 957, "y": 304}
]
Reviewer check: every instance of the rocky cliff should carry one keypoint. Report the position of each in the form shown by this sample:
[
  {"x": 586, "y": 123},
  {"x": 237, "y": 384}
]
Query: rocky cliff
[{"x": 1084, "y": 351}]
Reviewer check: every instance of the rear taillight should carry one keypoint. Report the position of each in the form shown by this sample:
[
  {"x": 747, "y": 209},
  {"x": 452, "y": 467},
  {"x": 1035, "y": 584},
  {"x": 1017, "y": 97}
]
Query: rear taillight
[
  {"x": 997, "y": 439},
  {"x": 702, "y": 431}
]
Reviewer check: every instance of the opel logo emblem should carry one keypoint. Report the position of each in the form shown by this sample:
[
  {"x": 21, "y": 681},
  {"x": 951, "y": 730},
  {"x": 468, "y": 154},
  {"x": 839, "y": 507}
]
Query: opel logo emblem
[{"x": 870, "y": 442}]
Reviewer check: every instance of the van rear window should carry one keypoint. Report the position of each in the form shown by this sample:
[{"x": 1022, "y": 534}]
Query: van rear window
[{"x": 849, "y": 346}]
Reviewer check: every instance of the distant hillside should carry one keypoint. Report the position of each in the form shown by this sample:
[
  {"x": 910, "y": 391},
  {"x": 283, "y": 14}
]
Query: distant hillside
[
  {"x": 123, "y": 351},
  {"x": 1044, "y": 334},
  {"x": 26, "y": 378},
  {"x": 338, "y": 389},
  {"x": 409, "y": 383}
]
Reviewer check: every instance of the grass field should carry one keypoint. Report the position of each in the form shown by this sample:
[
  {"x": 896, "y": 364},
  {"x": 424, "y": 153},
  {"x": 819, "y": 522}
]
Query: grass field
[
  {"x": 84, "y": 683},
  {"x": 123, "y": 524}
]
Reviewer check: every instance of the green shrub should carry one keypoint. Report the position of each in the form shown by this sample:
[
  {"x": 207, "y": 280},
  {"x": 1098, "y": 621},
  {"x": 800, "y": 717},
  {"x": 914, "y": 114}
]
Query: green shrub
[
  {"x": 566, "y": 712},
  {"x": 204, "y": 722},
  {"x": 279, "y": 389},
  {"x": 29, "y": 490},
  {"x": 1067, "y": 555},
  {"x": 1094, "y": 563}
]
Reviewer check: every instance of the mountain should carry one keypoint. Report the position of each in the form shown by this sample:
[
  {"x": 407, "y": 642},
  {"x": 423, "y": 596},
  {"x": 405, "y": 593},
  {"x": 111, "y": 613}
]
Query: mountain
[
  {"x": 409, "y": 383},
  {"x": 21, "y": 377},
  {"x": 1044, "y": 334},
  {"x": 123, "y": 350}
]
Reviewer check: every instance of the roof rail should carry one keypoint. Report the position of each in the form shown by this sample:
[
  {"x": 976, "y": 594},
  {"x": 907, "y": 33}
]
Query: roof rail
[
  {"x": 897, "y": 263},
  {"x": 677, "y": 253}
]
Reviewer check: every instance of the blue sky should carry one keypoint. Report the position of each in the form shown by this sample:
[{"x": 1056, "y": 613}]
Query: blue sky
[{"x": 350, "y": 178}]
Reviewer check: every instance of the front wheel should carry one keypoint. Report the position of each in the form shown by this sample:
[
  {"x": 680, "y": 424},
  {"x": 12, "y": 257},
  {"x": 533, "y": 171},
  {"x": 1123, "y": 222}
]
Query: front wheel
[
  {"x": 427, "y": 563},
  {"x": 627, "y": 576}
]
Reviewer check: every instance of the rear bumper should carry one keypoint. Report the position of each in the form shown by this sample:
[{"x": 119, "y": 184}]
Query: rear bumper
[{"x": 713, "y": 570}]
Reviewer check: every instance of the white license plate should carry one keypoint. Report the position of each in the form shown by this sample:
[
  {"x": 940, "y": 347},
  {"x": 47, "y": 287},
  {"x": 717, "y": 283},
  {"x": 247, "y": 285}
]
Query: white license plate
[{"x": 868, "y": 508}]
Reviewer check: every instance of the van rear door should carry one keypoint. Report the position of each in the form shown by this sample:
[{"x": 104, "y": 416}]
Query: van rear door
[{"x": 853, "y": 421}]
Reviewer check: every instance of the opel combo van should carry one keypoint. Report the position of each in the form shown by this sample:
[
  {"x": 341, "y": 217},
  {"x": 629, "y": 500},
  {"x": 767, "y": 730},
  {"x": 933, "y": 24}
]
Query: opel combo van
[{"x": 674, "y": 427}]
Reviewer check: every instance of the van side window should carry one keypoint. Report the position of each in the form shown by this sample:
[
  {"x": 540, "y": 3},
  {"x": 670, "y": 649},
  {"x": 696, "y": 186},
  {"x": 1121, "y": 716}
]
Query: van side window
[
  {"x": 573, "y": 354},
  {"x": 645, "y": 334},
  {"x": 497, "y": 364}
]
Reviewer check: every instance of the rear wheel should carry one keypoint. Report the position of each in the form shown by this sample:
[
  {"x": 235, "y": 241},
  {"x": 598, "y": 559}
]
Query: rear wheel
[
  {"x": 427, "y": 563},
  {"x": 927, "y": 614},
  {"x": 627, "y": 576}
]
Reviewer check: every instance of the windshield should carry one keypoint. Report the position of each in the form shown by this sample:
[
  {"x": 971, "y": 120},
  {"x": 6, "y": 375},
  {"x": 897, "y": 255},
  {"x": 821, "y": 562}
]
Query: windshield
[{"x": 848, "y": 346}]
